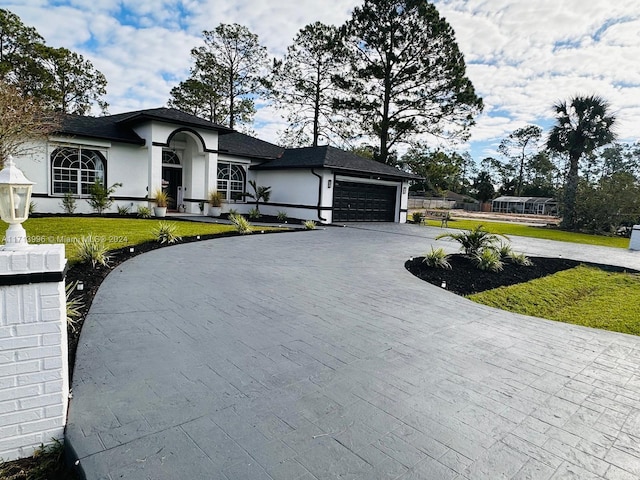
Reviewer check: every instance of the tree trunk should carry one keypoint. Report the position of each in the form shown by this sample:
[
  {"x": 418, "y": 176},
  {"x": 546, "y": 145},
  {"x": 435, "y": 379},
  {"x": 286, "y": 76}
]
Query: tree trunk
[
  {"x": 316, "y": 109},
  {"x": 569, "y": 215}
]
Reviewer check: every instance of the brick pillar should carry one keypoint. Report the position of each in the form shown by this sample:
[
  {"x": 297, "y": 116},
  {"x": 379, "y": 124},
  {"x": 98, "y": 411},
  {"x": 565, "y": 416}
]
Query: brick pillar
[{"x": 34, "y": 374}]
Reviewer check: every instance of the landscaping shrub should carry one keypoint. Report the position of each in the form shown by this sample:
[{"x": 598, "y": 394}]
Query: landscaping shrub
[
  {"x": 92, "y": 249},
  {"x": 309, "y": 224},
  {"x": 123, "y": 210},
  {"x": 165, "y": 232},
  {"x": 520, "y": 259},
  {"x": 474, "y": 241},
  {"x": 254, "y": 214},
  {"x": 437, "y": 259},
  {"x": 242, "y": 224},
  {"x": 68, "y": 203},
  {"x": 74, "y": 306},
  {"x": 488, "y": 260},
  {"x": 282, "y": 216},
  {"x": 143, "y": 212},
  {"x": 416, "y": 217},
  {"x": 504, "y": 249},
  {"x": 100, "y": 196}
]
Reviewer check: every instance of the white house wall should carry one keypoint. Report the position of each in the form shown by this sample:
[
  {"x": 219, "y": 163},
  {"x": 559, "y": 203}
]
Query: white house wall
[
  {"x": 126, "y": 164},
  {"x": 295, "y": 192}
]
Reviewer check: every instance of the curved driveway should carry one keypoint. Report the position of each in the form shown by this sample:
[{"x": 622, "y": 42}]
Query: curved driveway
[{"x": 315, "y": 355}]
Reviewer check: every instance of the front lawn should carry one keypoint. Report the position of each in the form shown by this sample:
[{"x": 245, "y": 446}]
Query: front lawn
[
  {"x": 582, "y": 296},
  {"x": 116, "y": 232},
  {"x": 548, "y": 233}
]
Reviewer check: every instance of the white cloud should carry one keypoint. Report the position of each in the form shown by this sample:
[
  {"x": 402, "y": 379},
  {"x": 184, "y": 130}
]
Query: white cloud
[{"x": 522, "y": 56}]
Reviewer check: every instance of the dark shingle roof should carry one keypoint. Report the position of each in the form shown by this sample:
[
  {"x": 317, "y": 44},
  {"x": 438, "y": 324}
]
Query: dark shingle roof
[
  {"x": 169, "y": 115},
  {"x": 118, "y": 127},
  {"x": 98, "y": 127},
  {"x": 334, "y": 158},
  {"x": 237, "y": 143}
]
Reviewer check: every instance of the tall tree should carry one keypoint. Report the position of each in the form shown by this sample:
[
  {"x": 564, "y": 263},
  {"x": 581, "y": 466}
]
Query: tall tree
[
  {"x": 407, "y": 75},
  {"x": 71, "y": 84},
  {"x": 303, "y": 86},
  {"x": 233, "y": 62},
  {"x": 582, "y": 125},
  {"x": 17, "y": 44},
  {"x": 61, "y": 79},
  {"x": 520, "y": 147},
  {"x": 482, "y": 187},
  {"x": 200, "y": 95},
  {"x": 442, "y": 171}
]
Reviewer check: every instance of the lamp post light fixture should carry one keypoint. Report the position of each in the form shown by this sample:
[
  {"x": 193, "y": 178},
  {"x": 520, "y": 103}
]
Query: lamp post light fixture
[{"x": 15, "y": 197}]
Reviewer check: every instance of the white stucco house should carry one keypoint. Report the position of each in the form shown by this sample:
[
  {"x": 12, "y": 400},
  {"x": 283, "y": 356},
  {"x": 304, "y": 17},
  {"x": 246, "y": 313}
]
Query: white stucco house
[{"x": 189, "y": 156}]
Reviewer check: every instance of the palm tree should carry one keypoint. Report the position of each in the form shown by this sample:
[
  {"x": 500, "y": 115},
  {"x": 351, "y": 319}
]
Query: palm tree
[
  {"x": 582, "y": 125},
  {"x": 259, "y": 193}
]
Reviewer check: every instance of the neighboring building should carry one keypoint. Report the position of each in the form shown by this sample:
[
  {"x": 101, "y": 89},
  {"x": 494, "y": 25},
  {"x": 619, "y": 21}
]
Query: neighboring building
[
  {"x": 188, "y": 157},
  {"x": 525, "y": 205}
]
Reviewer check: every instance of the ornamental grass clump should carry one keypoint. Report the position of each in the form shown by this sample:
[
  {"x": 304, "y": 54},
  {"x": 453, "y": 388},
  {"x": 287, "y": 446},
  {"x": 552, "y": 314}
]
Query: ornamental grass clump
[
  {"x": 254, "y": 213},
  {"x": 143, "y": 212},
  {"x": 92, "y": 249},
  {"x": 74, "y": 306},
  {"x": 123, "y": 210},
  {"x": 488, "y": 260},
  {"x": 504, "y": 249},
  {"x": 309, "y": 224},
  {"x": 282, "y": 216},
  {"x": 165, "y": 232},
  {"x": 437, "y": 259},
  {"x": 242, "y": 225},
  {"x": 520, "y": 259}
]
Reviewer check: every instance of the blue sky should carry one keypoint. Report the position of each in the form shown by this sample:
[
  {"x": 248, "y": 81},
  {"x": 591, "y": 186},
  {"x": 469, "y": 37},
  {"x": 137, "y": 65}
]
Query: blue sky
[{"x": 522, "y": 56}]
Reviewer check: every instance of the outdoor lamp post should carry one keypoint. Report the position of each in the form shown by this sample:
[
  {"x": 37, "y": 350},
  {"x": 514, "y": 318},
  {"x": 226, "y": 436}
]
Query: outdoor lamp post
[{"x": 15, "y": 197}]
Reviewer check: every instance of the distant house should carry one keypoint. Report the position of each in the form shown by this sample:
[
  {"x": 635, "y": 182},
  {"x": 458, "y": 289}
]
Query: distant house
[
  {"x": 188, "y": 157},
  {"x": 525, "y": 205}
]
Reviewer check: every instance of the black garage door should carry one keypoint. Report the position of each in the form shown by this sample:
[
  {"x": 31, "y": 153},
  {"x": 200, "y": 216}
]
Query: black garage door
[{"x": 363, "y": 202}]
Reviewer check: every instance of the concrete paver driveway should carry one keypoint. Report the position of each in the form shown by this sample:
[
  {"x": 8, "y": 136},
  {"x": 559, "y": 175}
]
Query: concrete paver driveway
[{"x": 317, "y": 356}]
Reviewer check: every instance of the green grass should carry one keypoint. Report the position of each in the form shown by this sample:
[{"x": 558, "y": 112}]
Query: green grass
[
  {"x": 505, "y": 228},
  {"x": 116, "y": 232},
  {"x": 583, "y": 295}
]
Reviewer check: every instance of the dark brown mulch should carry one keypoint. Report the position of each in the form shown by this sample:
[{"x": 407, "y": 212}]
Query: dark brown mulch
[{"x": 465, "y": 279}]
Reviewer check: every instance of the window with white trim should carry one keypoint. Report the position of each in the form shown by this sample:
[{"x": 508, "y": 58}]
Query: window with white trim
[
  {"x": 231, "y": 181},
  {"x": 75, "y": 169}
]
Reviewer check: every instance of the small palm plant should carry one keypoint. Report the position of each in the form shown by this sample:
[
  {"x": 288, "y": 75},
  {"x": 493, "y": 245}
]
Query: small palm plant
[
  {"x": 260, "y": 193},
  {"x": 475, "y": 240}
]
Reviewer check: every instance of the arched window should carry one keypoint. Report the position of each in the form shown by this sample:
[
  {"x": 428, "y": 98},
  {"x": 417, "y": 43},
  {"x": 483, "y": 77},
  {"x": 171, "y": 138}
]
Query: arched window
[
  {"x": 75, "y": 169},
  {"x": 231, "y": 181},
  {"x": 169, "y": 157}
]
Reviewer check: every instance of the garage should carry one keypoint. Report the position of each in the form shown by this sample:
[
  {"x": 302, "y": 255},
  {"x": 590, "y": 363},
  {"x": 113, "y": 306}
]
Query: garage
[{"x": 364, "y": 202}]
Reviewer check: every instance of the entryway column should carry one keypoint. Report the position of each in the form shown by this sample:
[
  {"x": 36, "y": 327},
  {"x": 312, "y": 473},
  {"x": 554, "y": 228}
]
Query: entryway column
[{"x": 210, "y": 172}]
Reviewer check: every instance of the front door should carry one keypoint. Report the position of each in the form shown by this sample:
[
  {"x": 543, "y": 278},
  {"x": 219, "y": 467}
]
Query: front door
[
  {"x": 171, "y": 176},
  {"x": 171, "y": 180}
]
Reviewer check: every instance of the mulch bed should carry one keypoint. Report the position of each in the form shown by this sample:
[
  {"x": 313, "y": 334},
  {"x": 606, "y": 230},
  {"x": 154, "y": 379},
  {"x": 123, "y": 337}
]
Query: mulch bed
[{"x": 465, "y": 279}]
